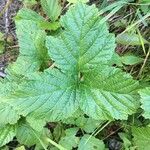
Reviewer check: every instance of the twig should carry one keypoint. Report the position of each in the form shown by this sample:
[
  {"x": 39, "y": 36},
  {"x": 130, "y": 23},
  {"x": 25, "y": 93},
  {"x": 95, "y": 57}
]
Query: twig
[
  {"x": 5, "y": 10},
  {"x": 6, "y": 7},
  {"x": 2, "y": 74},
  {"x": 14, "y": 46},
  {"x": 112, "y": 133},
  {"x": 6, "y": 21}
]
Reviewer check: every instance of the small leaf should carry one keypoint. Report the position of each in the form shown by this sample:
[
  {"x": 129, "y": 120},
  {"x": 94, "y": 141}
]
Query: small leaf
[
  {"x": 7, "y": 134},
  {"x": 130, "y": 39},
  {"x": 1, "y": 36},
  {"x": 126, "y": 141},
  {"x": 141, "y": 137},
  {"x": 25, "y": 135},
  {"x": 30, "y": 15},
  {"x": 1, "y": 47},
  {"x": 87, "y": 124},
  {"x": 90, "y": 143},
  {"x": 28, "y": 136},
  {"x": 116, "y": 60},
  {"x": 29, "y": 3},
  {"x": 70, "y": 141},
  {"x": 49, "y": 25},
  {"x": 131, "y": 59},
  {"x": 20, "y": 148},
  {"x": 52, "y": 8},
  {"x": 75, "y": 1},
  {"x": 145, "y": 100}
]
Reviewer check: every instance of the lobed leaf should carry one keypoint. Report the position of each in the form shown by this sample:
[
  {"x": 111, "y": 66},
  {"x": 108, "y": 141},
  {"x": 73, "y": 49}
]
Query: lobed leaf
[
  {"x": 108, "y": 93},
  {"x": 33, "y": 53},
  {"x": 80, "y": 81},
  {"x": 85, "y": 42},
  {"x": 51, "y": 95}
]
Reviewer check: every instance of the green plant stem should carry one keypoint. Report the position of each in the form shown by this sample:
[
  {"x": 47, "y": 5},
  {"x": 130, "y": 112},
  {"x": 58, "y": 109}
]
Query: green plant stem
[
  {"x": 134, "y": 24},
  {"x": 105, "y": 125},
  {"x": 39, "y": 139},
  {"x": 141, "y": 40},
  {"x": 145, "y": 60},
  {"x": 96, "y": 132},
  {"x": 55, "y": 144}
]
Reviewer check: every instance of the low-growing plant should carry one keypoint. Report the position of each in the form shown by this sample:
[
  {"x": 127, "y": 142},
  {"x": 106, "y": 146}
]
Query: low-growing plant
[{"x": 62, "y": 78}]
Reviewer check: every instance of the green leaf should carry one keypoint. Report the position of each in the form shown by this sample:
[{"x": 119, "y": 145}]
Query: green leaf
[
  {"x": 141, "y": 137},
  {"x": 108, "y": 93},
  {"x": 49, "y": 25},
  {"x": 131, "y": 59},
  {"x": 70, "y": 141},
  {"x": 28, "y": 136},
  {"x": 7, "y": 113},
  {"x": 74, "y": 51},
  {"x": 20, "y": 148},
  {"x": 130, "y": 39},
  {"x": 91, "y": 143},
  {"x": 145, "y": 100},
  {"x": 81, "y": 82},
  {"x": 30, "y": 15},
  {"x": 1, "y": 43},
  {"x": 127, "y": 143},
  {"x": 51, "y": 95},
  {"x": 1, "y": 36},
  {"x": 88, "y": 124},
  {"x": 1, "y": 47},
  {"x": 33, "y": 53},
  {"x": 76, "y": 1},
  {"x": 29, "y": 3},
  {"x": 7, "y": 134},
  {"x": 52, "y": 8},
  {"x": 116, "y": 59}
]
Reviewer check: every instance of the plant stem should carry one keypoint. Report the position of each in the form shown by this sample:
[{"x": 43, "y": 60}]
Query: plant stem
[
  {"x": 55, "y": 144},
  {"x": 144, "y": 63}
]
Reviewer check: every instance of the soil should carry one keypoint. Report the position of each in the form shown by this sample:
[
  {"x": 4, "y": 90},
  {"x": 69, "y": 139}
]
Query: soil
[{"x": 7, "y": 27}]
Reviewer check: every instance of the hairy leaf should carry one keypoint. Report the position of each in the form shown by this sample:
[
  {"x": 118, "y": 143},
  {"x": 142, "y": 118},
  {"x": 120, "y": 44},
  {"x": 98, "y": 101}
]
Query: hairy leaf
[
  {"x": 33, "y": 54},
  {"x": 80, "y": 81},
  {"x": 108, "y": 93},
  {"x": 51, "y": 95},
  {"x": 52, "y": 8},
  {"x": 28, "y": 14},
  {"x": 85, "y": 43}
]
